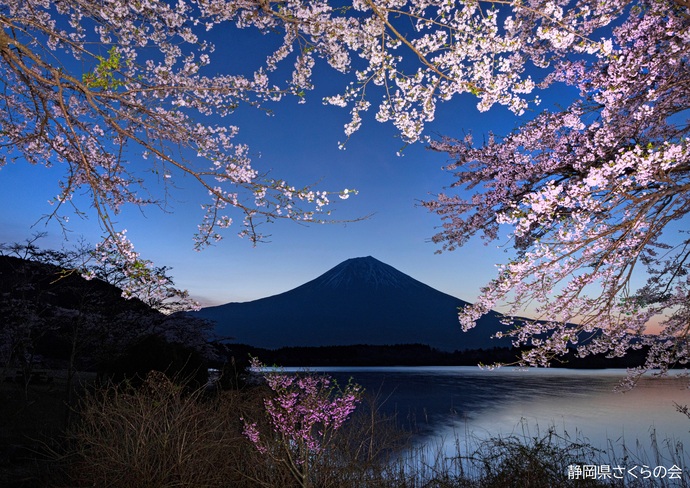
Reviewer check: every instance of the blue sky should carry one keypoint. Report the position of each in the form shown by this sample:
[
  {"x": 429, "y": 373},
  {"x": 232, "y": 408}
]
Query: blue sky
[{"x": 298, "y": 143}]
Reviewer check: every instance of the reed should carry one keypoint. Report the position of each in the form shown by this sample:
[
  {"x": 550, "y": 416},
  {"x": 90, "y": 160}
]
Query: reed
[{"x": 160, "y": 435}]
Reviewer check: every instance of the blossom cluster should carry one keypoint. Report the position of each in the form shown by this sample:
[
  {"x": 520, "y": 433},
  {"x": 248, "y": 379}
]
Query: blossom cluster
[
  {"x": 304, "y": 411},
  {"x": 150, "y": 103},
  {"x": 116, "y": 91},
  {"x": 585, "y": 195},
  {"x": 115, "y": 261}
]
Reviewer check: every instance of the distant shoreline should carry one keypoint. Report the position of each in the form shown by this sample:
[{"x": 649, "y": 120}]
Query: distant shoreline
[{"x": 412, "y": 355}]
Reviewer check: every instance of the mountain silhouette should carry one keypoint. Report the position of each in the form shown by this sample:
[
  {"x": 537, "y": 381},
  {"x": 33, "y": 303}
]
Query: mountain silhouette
[{"x": 360, "y": 301}]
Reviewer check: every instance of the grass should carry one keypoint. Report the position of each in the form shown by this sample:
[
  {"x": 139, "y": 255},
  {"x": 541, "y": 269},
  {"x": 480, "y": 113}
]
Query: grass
[
  {"x": 544, "y": 459},
  {"x": 160, "y": 435}
]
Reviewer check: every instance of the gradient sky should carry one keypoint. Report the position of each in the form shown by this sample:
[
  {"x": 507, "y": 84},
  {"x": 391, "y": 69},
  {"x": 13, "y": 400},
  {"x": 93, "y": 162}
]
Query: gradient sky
[{"x": 299, "y": 144}]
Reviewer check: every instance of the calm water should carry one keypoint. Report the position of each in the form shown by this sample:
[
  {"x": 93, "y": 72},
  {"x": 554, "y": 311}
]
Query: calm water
[{"x": 466, "y": 402}]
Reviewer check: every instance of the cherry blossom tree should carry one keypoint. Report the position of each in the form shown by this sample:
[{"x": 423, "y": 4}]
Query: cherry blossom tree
[
  {"x": 304, "y": 412},
  {"x": 596, "y": 198},
  {"x": 115, "y": 91}
]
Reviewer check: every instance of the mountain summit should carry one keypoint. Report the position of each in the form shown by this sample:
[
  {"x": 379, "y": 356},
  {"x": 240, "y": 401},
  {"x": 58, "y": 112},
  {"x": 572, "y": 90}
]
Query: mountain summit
[
  {"x": 359, "y": 301},
  {"x": 368, "y": 272}
]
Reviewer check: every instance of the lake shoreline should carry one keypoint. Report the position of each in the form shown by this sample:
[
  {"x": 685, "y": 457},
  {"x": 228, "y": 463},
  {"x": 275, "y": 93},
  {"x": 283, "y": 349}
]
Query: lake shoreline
[
  {"x": 414, "y": 355},
  {"x": 439, "y": 402}
]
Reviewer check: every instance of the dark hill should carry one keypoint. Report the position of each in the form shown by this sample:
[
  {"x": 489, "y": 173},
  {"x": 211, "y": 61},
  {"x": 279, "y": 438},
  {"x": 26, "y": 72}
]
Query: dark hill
[
  {"x": 360, "y": 301},
  {"x": 55, "y": 316},
  {"x": 33, "y": 284}
]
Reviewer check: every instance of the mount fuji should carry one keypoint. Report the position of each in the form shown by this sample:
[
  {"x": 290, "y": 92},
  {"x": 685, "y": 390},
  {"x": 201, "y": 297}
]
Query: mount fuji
[{"x": 359, "y": 301}]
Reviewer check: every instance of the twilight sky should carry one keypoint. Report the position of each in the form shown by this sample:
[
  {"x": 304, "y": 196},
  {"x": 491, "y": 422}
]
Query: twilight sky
[{"x": 298, "y": 143}]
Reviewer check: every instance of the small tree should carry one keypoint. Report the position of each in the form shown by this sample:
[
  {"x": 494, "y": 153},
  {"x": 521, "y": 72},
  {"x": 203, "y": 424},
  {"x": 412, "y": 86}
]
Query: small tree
[{"x": 303, "y": 414}]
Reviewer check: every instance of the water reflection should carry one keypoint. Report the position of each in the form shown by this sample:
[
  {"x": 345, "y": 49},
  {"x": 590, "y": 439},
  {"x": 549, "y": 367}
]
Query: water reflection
[{"x": 444, "y": 402}]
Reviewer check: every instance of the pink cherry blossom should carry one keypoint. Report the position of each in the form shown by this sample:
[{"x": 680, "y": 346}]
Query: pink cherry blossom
[
  {"x": 303, "y": 412},
  {"x": 594, "y": 198}
]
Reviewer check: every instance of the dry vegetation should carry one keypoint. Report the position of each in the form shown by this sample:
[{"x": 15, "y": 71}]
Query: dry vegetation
[{"x": 162, "y": 435}]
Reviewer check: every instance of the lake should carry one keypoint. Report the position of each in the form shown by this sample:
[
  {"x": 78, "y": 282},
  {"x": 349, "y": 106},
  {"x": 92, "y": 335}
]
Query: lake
[{"x": 468, "y": 403}]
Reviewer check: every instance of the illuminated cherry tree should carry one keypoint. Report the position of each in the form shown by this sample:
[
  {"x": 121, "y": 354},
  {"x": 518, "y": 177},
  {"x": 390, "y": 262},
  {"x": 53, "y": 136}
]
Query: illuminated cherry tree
[
  {"x": 596, "y": 199},
  {"x": 116, "y": 91},
  {"x": 304, "y": 412}
]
